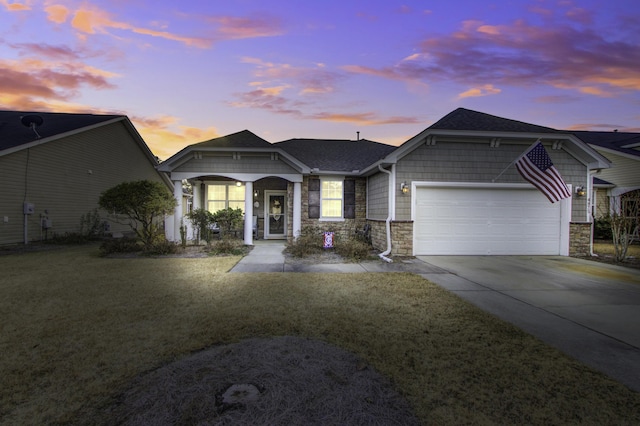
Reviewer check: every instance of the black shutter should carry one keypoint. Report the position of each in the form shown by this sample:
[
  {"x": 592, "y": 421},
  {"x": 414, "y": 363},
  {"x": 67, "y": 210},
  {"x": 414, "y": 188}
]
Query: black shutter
[
  {"x": 349, "y": 186},
  {"x": 314, "y": 198}
]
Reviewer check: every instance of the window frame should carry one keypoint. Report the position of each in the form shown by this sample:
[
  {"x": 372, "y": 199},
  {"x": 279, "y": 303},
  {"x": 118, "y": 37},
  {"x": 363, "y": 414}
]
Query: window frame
[
  {"x": 324, "y": 179},
  {"x": 227, "y": 200}
]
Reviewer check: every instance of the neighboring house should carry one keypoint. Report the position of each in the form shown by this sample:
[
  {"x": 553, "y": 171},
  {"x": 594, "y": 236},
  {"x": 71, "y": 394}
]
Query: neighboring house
[
  {"x": 54, "y": 166},
  {"x": 623, "y": 179},
  {"x": 441, "y": 192}
]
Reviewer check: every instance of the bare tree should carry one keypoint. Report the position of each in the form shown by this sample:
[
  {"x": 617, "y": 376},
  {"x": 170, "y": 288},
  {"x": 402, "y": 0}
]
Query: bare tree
[{"x": 625, "y": 223}]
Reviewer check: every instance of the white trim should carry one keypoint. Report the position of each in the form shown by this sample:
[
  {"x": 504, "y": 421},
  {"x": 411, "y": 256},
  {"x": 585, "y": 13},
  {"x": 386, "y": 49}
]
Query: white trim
[
  {"x": 285, "y": 210},
  {"x": 332, "y": 218},
  {"x": 242, "y": 177}
]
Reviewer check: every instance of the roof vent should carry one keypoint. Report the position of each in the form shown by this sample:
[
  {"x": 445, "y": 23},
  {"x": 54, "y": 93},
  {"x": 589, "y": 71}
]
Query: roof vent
[{"x": 32, "y": 121}]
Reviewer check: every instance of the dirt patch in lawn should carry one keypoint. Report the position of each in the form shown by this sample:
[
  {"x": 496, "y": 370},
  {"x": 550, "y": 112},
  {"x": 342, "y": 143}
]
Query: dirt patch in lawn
[{"x": 278, "y": 381}]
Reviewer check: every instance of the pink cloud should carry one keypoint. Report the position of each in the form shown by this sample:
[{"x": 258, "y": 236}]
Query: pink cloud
[
  {"x": 519, "y": 54},
  {"x": 57, "y": 13},
  {"x": 233, "y": 28},
  {"x": 485, "y": 90},
  {"x": 93, "y": 20},
  {"x": 14, "y": 7}
]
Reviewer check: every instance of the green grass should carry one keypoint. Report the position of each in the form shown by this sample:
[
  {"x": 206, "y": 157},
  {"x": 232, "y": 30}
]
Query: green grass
[{"x": 77, "y": 328}]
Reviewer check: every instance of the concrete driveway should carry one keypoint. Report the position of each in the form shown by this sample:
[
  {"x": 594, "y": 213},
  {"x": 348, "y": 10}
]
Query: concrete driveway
[{"x": 589, "y": 310}]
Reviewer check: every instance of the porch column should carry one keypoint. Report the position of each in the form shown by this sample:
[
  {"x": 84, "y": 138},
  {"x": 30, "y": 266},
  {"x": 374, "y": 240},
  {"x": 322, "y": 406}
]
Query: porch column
[
  {"x": 197, "y": 189},
  {"x": 297, "y": 209},
  {"x": 177, "y": 215},
  {"x": 248, "y": 213}
]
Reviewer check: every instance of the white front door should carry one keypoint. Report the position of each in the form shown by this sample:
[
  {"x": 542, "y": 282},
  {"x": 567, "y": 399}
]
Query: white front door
[{"x": 275, "y": 224}]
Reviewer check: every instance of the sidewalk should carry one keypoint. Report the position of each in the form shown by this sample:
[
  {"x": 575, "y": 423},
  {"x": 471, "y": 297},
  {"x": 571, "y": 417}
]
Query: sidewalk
[{"x": 268, "y": 256}]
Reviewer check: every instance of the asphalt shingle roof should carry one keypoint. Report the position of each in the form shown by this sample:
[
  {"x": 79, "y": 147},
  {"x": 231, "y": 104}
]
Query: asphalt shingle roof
[
  {"x": 334, "y": 154},
  {"x": 14, "y": 133},
  {"x": 613, "y": 140},
  {"x": 466, "y": 119},
  {"x": 242, "y": 139}
]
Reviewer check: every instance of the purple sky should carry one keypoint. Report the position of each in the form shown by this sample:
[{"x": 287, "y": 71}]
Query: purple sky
[{"x": 189, "y": 71}]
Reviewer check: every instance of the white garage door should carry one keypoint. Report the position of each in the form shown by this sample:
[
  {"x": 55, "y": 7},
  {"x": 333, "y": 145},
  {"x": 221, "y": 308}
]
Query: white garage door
[{"x": 486, "y": 220}]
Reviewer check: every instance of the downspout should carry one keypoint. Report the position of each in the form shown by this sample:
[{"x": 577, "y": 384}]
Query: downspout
[{"x": 385, "y": 253}]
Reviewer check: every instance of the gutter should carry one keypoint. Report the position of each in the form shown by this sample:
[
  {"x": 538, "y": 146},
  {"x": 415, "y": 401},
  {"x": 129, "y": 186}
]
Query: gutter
[{"x": 384, "y": 254}]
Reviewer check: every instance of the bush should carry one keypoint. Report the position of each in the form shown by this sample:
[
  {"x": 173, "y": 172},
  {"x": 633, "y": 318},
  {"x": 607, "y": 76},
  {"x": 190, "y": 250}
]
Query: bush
[
  {"x": 602, "y": 228},
  {"x": 161, "y": 247},
  {"x": 309, "y": 242},
  {"x": 229, "y": 246},
  {"x": 353, "y": 249},
  {"x": 203, "y": 220},
  {"x": 120, "y": 245}
]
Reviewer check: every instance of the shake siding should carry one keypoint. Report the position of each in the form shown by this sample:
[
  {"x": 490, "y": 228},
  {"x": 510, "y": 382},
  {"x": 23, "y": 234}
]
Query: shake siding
[
  {"x": 478, "y": 162},
  {"x": 378, "y": 196},
  {"x": 215, "y": 164},
  {"x": 624, "y": 173},
  {"x": 66, "y": 177}
]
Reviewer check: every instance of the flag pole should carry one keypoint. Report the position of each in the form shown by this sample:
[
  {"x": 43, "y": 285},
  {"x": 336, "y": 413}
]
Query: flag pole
[{"x": 513, "y": 162}]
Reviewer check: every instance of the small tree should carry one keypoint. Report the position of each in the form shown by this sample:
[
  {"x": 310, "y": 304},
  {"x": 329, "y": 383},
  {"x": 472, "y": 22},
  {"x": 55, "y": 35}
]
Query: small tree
[
  {"x": 202, "y": 220},
  {"x": 625, "y": 224},
  {"x": 144, "y": 203},
  {"x": 228, "y": 219}
]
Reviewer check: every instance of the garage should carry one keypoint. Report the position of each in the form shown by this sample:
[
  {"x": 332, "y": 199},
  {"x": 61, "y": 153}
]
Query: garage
[{"x": 488, "y": 219}]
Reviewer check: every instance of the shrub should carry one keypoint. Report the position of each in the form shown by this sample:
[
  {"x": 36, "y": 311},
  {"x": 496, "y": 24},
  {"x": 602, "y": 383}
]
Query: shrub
[
  {"x": 353, "y": 249},
  {"x": 203, "y": 220},
  {"x": 602, "y": 228},
  {"x": 229, "y": 246},
  {"x": 91, "y": 224},
  {"x": 309, "y": 242},
  {"x": 228, "y": 219},
  {"x": 161, "y": 247},
  {"x": 120, "y": 245}
]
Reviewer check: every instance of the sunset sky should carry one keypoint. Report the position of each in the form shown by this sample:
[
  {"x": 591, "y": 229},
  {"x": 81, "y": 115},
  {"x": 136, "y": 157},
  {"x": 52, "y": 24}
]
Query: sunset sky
[{"x": 188, "y": 71}]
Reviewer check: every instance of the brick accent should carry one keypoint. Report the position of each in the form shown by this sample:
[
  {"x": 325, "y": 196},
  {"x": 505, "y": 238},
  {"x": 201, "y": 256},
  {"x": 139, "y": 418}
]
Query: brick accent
[
  {"x": 345, "y": 228},
  {"x": 580, "y": 239},
  {"x": 401, "y": 237}
]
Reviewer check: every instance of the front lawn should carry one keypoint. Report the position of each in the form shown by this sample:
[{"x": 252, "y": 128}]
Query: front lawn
[{"x": 77, "y": 328}]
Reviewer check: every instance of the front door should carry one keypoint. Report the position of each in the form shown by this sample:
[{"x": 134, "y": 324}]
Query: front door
[{"x": 276, "y": 215}]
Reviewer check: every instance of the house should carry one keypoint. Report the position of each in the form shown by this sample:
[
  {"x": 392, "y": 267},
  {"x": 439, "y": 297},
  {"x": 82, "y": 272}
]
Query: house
[
  {"x": 54, "y": 166},
  {"x": 623, "y": 180},
  {"x": 451, "y": 189}
]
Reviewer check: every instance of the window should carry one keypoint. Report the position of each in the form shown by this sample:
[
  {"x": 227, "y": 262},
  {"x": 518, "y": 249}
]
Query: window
[
  {"x": 223, "y": 195},
  {"x": 331, "y": 198}
]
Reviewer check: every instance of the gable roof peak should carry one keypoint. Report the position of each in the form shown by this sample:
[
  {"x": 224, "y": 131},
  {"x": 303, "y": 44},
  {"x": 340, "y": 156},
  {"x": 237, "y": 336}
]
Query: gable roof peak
[
  {"x": 466, "y": 119},
  {"x": 241, "y": 139}
]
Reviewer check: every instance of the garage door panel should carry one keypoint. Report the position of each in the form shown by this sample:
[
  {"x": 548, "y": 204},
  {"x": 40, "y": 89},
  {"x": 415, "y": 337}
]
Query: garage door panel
[{"x": 470, "y": 221}]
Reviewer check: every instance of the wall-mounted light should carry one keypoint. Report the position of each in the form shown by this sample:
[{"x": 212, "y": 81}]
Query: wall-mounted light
[
  {"x": 580, "y": 192},
  {"x": 404, "y": 188},
  {"x": 256, "y": 193},
  {"x": 238, "y": 183}
]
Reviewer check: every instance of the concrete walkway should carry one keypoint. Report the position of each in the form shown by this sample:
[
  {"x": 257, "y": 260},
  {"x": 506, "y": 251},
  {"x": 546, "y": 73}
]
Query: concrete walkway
[
  {"x": 588, "y": 310},
  {"x": 267, "y": 256}
]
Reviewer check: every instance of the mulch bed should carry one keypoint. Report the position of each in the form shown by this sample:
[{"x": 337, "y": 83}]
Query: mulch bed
[{"x": 277, "y": 381}]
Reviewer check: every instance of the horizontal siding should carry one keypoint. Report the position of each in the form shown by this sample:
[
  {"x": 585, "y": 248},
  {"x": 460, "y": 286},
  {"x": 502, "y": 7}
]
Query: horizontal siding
[
  {"x": 378, "y": 196},
  {"x": 221, "y": 163},
  {"x": 66, "y": 177},
  {"x": 478, "y": 162},
  {"x": 624, "y": 173}
]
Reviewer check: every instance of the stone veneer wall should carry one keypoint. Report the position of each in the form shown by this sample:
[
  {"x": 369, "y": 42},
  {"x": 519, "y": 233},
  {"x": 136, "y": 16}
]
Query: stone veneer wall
[
  {"x": 401, "y": 237},
  {"x": 344, "y": 228},
  {"x": 580, "y": 239}
]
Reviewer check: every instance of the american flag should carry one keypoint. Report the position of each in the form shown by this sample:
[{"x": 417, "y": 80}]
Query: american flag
[{"x": 536, "y": 167}]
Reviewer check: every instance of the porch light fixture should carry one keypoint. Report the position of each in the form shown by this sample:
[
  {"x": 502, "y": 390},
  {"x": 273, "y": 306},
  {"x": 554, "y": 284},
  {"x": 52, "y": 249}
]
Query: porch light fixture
[
  {"x": 404, "y": 188},
  {"x": 580, "y": 192},
  {"x": 238, "y": 183},
  {"x": 256, "y": 193}
]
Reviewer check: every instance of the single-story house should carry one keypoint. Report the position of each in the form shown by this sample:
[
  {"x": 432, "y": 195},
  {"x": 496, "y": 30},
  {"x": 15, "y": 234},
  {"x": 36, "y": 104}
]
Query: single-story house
[
  {"x": 451, "y": 189},
  {"x": 54, "y": 166},
  {"x": 612, "y": 185}
]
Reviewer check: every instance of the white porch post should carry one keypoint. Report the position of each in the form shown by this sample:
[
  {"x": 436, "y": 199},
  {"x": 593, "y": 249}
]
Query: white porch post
[
  {"x": 177, "y": 215},
  {"x": 297, "y": 209},
  {"x": 248, "y": 213},
  {"x": 197, "y": 201}
]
